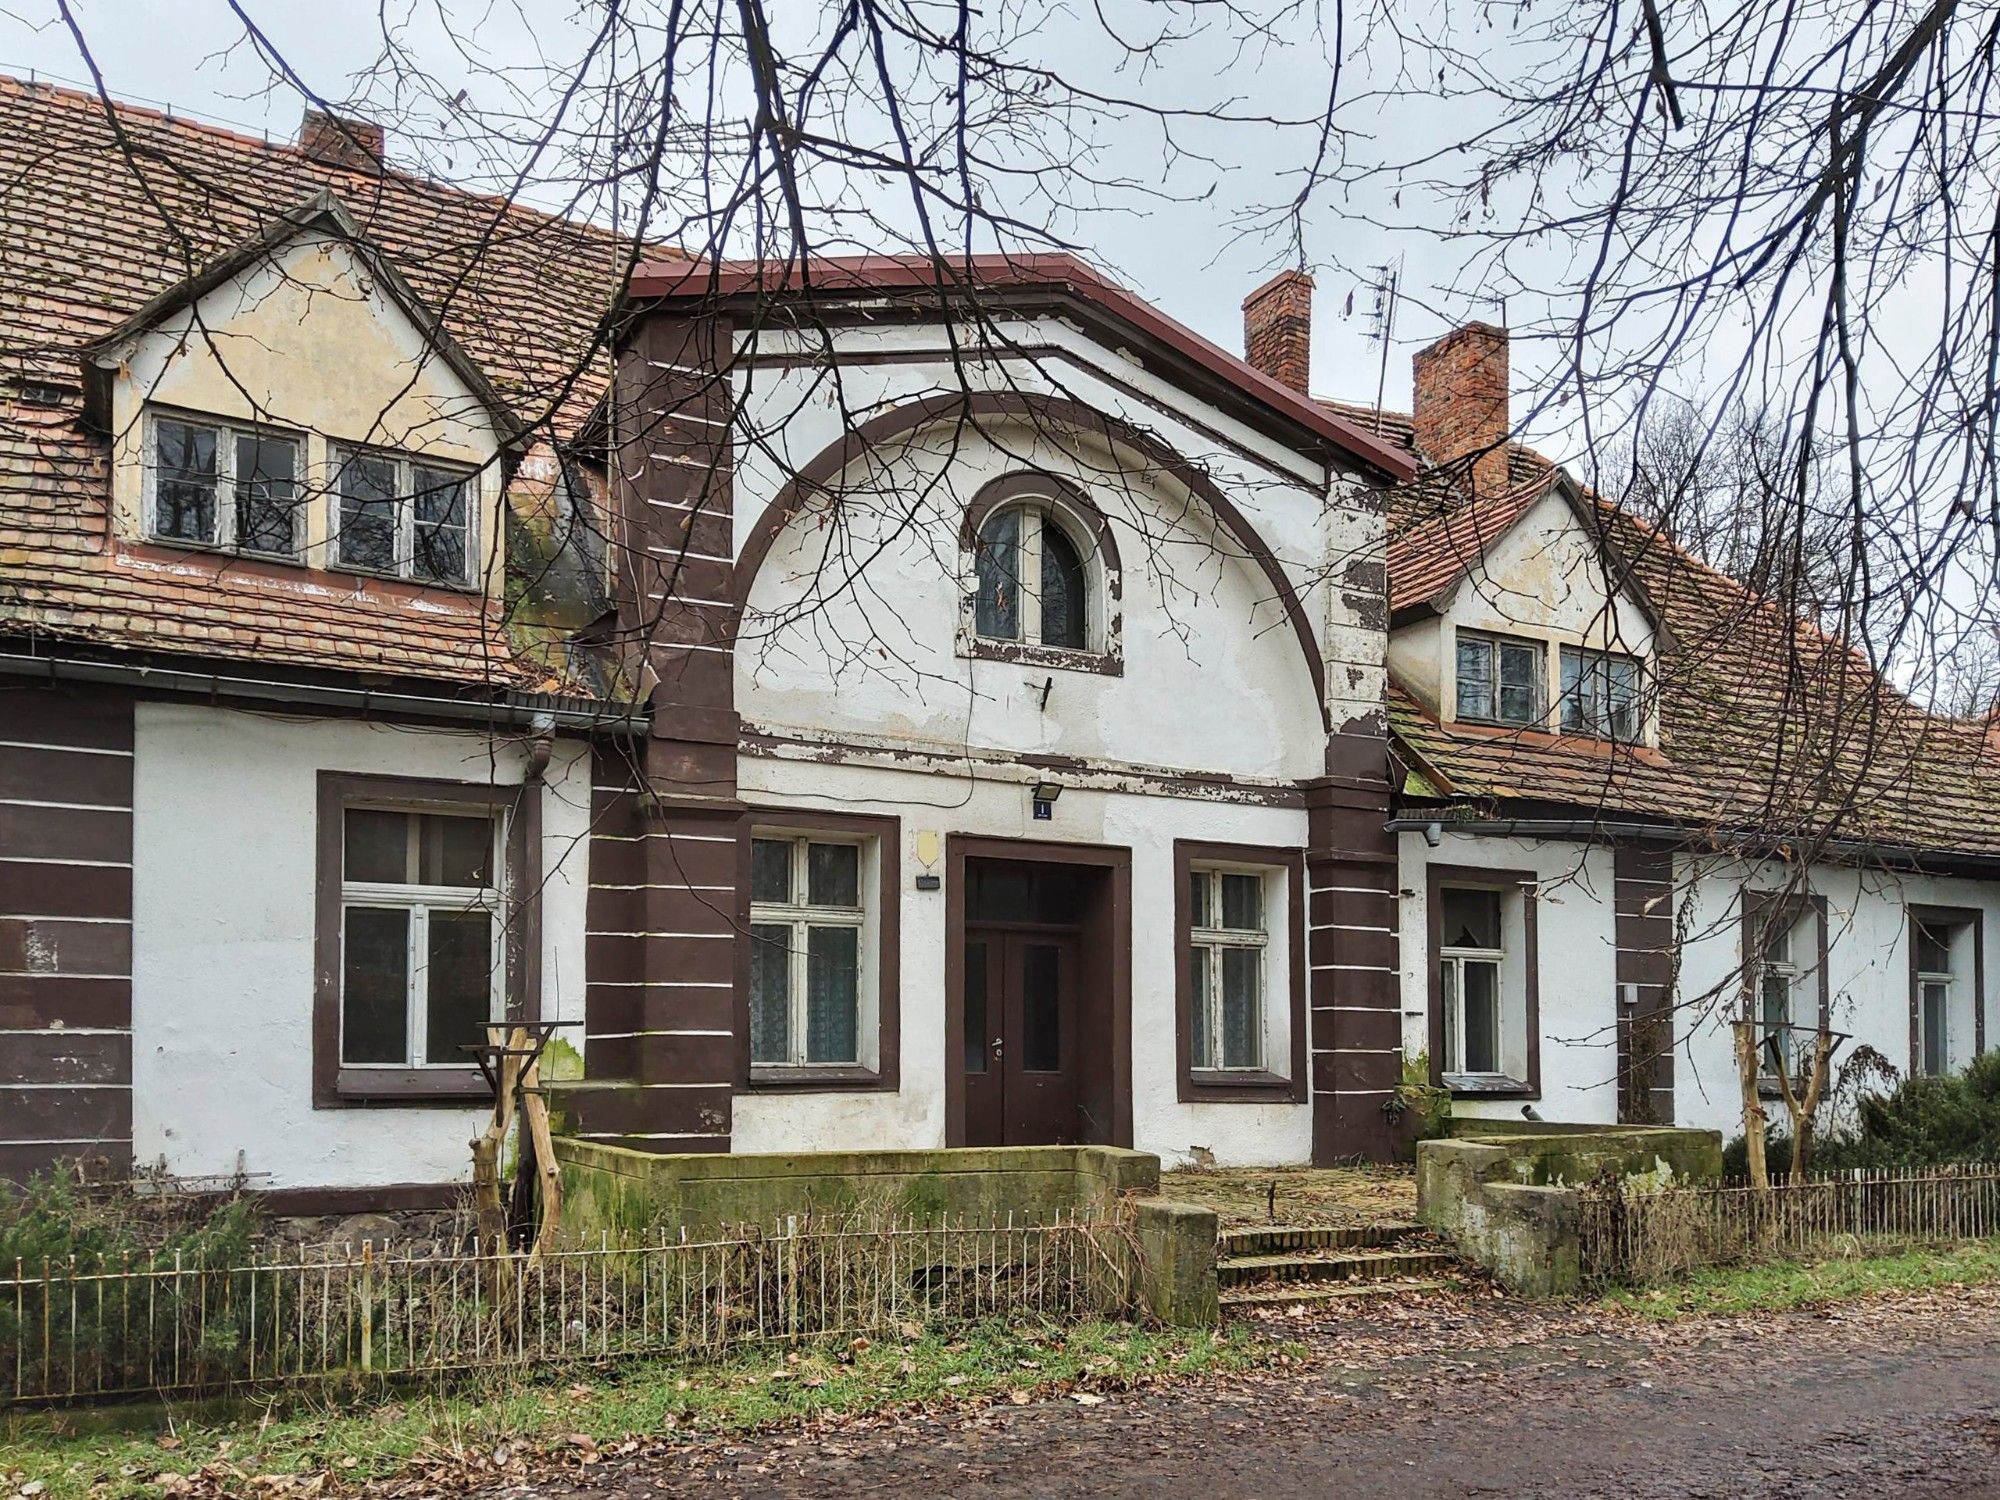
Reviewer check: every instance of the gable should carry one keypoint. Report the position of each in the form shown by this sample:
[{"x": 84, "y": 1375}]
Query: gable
[
  {"x": 307, "y": 335},
  {"x": 1547, "y": 576}
]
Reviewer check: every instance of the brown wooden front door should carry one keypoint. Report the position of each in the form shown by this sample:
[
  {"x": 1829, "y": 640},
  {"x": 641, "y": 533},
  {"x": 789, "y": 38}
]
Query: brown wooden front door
[{"x": 1022, "y": 1040}]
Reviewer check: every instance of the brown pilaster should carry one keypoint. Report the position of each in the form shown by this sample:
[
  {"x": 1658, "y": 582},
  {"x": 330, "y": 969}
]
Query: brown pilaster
[
  {"x": 65, "y": 929},
  {"x": 660, "y": 1055},
  {"x": 1351, "y": 957},
  {"x": 1643, "y": 902}
]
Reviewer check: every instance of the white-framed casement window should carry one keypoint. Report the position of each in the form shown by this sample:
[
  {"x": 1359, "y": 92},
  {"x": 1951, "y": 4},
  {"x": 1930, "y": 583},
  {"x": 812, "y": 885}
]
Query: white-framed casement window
[
  {"x": 1785, "y": 985},
  {"x": 810, "y": 931},
  {"x": 422, "y": 965},
  {"x": 1600, "y": 694},
  {"x": 1031, "y": 579},
  {"x": 405, "y": 516},
  {"x": 1228, "y": 939},
  {"x": 1472, "y": 960},
  {"x": 1935, "y": 982},
  {"x": 221, "y": 484},
  {"x": 1499, "y": 679}
]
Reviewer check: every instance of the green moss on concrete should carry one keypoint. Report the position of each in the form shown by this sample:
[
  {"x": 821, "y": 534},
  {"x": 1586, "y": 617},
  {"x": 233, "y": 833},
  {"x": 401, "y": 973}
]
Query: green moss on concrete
[{"x": 1507, "y": 1197}]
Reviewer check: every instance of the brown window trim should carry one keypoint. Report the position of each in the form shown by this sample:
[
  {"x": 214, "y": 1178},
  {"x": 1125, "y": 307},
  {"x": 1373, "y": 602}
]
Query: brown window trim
[
  {"x": 1217, "y": 1086},
  {"x": 1948, "y": 916},
  {"x": 886, "y": 1076},
  {"x": 336, "y": 1087},
  {"x": 1755, "y": 905},
  {"x": 1475, "y": 877}
]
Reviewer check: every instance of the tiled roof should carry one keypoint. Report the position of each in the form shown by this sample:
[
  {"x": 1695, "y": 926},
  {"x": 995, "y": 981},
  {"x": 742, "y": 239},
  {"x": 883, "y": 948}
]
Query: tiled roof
[
  {"x": 90, "y": 230},
  {"x": 1768, "y": 726}
]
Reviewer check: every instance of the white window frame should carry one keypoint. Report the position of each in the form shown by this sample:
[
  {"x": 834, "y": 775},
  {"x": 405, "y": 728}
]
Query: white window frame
[
  {"x": 405, "y": 566},
  {"x": 420, "y": 901},
  {"x": 226, "y": 433},
  {"x": 1946, "y": 938},
  {"x": 1604, "y": 725},
  {"x": 1495, "y": 643},
  {"x": 1451, "y": 983},
  {"x": 797, "y": 915},
  {"x": 1028, "y": 545},
  {"x": 1208, "y": 942},
  {"x": 1779, "y": 960}
]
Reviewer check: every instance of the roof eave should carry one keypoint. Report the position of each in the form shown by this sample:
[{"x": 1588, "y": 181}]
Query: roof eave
[{"x": 1062, "y": 278}]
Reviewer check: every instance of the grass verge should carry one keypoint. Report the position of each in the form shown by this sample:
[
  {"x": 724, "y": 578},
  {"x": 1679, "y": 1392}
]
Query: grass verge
[
  {"x": 1774, "y": 1288},
  {"x": 498, "y": 1425}
]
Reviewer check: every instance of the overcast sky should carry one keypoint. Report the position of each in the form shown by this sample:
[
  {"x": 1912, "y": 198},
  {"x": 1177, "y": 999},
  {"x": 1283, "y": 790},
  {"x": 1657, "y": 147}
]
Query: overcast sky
[{"x": 1185, "y": 256}]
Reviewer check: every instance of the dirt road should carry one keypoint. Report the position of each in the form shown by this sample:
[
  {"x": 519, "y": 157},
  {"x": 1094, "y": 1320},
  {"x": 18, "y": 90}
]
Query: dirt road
[{"x": 1472, "y": 1398}]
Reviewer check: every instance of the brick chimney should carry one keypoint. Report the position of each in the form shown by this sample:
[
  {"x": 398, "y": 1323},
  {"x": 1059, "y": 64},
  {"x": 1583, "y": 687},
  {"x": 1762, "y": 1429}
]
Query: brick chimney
[
  {"x": 1277, "y": 329},
  {"x": 341, "y": 140},
  {"x": 1459, "y": 407}
]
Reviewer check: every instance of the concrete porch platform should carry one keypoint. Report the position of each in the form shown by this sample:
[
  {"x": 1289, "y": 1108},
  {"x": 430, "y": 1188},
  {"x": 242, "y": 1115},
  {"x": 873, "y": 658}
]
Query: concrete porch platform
[{"x": 1356, "y": 1197}]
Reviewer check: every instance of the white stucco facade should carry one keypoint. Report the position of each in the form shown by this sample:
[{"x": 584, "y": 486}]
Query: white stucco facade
[
  {"x": 855, "y": 682},
  {"x": 1867, "y": 929},
  {"x": 223, "y": 889}
]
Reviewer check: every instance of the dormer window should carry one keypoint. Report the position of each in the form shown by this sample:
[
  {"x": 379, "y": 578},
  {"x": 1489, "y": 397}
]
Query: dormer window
[
  {"x": 216, "y": 484},
  {"x": 403, "y": 516},
  {"x": 1499, "y": 679},
  {"x": 1600, "y": 694}
]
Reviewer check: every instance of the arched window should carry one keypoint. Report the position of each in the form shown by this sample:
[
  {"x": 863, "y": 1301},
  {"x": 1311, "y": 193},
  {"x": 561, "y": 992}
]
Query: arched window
[{"x": 1031, "y": 578}]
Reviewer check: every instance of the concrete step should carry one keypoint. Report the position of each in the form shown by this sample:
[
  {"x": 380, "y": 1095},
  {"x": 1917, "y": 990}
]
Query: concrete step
[
  {"x": 1305, "y": 1294},
  {"x": 1330, "y": 1265},
  {"x": 1280, "y": 1239}
]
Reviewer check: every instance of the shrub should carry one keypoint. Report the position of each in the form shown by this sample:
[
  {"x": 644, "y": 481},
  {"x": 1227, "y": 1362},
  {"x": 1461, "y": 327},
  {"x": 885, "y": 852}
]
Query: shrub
[
  {"x": 1921, "y": 1122},
  {"x": 116, "y": 1330}
]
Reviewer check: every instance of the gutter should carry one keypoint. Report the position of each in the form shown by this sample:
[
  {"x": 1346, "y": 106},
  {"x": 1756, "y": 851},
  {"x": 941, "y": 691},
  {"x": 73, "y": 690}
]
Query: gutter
[
  {"x": 1585, "y": 830},
  {"x": 538, "y": 711}
]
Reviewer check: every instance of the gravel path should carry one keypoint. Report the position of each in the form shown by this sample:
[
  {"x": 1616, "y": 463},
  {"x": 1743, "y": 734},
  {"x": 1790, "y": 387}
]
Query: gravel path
[{"x": 1460, "y": 1397}]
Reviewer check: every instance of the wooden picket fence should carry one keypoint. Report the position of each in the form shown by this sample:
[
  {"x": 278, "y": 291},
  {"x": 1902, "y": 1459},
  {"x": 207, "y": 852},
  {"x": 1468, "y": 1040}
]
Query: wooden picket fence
[
  {"x": 76, "y": 1330},
  {"x": 1635, "y": 1237}
]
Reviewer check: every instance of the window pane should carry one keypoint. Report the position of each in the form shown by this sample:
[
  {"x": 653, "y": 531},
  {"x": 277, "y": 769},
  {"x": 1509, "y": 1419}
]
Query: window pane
[
  {"x": 1242, "y": 992},
  {"x": 997, "y": 568},
  {"x": 460, "y": 984},
  {"x": 267, "y": 495},
  {"x": 1243, "y": 902},
  {"x": 1622, "y": 691},
  {"x": 1200, "y": 1048},
  {"x": 375, "y": 985},
  {"x": 454, "y": 851},
  {"x": 1041, "y": 1008},
  {"x": 771, "y": 870},
  {"x": 832, "y": 984},
  {"x": 1573, "y": 720},
  {"x": 770, "y": 993},
  {"x": 184, "y": 482},
  {"x": 1064, "y": 589},
  {"x": 1520, "y": 684},
  {"x": 1775, "y": 1007},
  {"x": 1935, "y": 1026},
  {"x": 975, "y": 1008},
  {"x": 1482, "y": 1016},
  {"x": 1933, "y": 956},
  {"x": 1475, "y": 679},
  {"x": 1198, "y": 887},
  {"x": 833, "y": 874},
  {"x": 367, "y": 486},
  {"x": 378, "y": 846},
  {"x": 440, "y": 527},
  {"x": 1470, "y": 918}
]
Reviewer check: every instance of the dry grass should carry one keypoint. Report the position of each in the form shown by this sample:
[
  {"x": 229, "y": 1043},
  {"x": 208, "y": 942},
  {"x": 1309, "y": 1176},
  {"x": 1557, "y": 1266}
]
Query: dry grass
[{"x": 1342, "y": 1196}]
